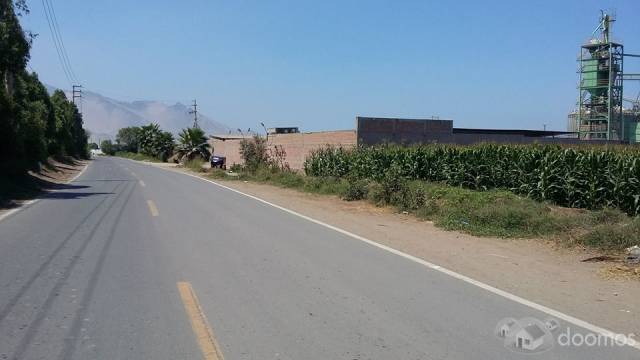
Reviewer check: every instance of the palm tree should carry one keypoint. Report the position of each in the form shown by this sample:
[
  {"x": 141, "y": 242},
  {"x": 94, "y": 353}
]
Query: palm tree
[{"x": 192, "y": 143}]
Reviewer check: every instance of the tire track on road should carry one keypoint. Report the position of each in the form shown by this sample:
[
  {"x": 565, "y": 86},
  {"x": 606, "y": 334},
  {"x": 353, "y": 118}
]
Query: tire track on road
[
  {"x": 71, "y": 338},
  {"x": 35, "y": 324},
  {"x": 14, "y": 300}
]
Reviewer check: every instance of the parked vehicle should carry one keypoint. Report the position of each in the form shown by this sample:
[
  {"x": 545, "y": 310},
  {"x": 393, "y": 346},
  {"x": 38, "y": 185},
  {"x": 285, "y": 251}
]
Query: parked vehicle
[{"x": 218, "y": 161}]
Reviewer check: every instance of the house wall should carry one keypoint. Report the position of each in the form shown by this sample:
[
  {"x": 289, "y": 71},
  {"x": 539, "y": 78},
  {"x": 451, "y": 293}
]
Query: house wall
[
  {"x": 296, "y": 146},
  {"x": 229, "y": 148},
  {"x": 373, "y": 131}
]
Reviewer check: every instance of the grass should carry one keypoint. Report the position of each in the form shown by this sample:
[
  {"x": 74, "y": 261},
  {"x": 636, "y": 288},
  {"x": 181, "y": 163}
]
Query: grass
[
  {"x": 494, "y": 213},
  {"x": 195, "y": 165},
  {"x": 137, "y": 156}
]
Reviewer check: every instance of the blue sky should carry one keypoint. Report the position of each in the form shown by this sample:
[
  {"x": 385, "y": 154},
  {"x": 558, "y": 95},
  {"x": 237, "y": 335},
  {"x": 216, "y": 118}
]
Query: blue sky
[{"x": 319, "y": 64}]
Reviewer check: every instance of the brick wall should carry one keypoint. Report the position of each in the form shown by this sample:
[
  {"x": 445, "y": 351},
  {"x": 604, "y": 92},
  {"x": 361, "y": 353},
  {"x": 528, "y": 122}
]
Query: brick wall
[
  {"x": 229, "y": 148},
  {"x": 296, "y": 146}
]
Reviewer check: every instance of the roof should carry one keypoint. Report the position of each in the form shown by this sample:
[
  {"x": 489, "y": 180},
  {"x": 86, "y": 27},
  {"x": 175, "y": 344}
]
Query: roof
[
  {"x": 534, "y": 331},
  {"x": 527, "y": 133},
  {"x": 230, "y": 136}
]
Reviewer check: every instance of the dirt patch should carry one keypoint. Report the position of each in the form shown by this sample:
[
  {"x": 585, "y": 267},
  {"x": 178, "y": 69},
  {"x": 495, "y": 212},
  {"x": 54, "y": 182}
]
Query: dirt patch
[
  {"x": 49, "y": 177},
  {"x": 58, "y": 172},
  {"x": 620, "y": 272},
  {"x": 538, "y": 270}
]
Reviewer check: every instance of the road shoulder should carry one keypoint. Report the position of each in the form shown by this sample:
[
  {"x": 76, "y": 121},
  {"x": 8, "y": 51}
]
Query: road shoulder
[{"x": 49, "y": 178}]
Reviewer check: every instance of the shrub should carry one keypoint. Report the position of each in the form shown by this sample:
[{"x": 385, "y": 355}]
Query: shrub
[
  {"x": 356, "y": 190},
  {"x": 254, "y": 153},
  {"x": 108, "y": 147}
]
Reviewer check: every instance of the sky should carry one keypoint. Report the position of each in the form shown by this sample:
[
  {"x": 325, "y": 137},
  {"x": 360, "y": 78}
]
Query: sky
[{"x": 319, "y": 64}]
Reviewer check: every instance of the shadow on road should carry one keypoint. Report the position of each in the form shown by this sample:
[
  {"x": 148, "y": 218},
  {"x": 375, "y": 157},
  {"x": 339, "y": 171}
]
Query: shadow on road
[{"x": 70, "y": 195}]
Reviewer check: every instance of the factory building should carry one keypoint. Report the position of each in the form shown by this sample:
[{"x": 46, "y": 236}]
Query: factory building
[{"x": 600, "y": 114}]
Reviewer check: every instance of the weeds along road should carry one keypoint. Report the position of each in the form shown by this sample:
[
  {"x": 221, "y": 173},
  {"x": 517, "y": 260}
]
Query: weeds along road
[{"x": 135, "y": 262}]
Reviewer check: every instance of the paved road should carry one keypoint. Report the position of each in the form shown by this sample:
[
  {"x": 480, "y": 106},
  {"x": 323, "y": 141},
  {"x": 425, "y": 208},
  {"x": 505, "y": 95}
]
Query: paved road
[{"x": 93, "y": 272}]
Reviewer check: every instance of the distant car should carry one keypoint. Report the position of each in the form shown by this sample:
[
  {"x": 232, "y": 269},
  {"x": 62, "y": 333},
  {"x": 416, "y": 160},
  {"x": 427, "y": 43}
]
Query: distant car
[{"x": 219, "y": 161}]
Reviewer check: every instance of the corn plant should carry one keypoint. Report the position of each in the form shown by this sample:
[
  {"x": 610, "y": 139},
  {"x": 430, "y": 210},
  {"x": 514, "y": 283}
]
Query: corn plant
[{"x": 581, "y": 176}]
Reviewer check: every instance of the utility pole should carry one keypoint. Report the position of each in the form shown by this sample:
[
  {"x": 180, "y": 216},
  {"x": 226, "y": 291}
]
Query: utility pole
[
  {"x": 77, "y": 93},
  {"x": 195, "y": 114}
]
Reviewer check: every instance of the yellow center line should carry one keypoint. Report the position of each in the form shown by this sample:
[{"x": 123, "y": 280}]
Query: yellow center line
[
  {"x": 201, "y": 329},
  {"x": 152, "y": 208}
]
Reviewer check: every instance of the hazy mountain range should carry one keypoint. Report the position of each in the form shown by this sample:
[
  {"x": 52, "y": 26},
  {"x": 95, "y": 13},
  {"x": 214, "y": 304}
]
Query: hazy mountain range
[{"x": 103, "y": 116}]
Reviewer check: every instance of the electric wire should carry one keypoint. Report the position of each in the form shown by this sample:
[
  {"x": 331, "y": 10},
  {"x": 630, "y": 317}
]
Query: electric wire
[{"x": 65, "y": 54}]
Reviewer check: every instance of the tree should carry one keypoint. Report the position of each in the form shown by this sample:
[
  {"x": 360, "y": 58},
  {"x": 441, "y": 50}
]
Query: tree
[
  {"x": 70, "y": 137},
  {"x": 155, "y": 142},
  {"x": 108, "y": 147},
  {"x": 33, "y": 125},
  {"x": 129, "y": 138},
  {"x": 192, "y": 143}
]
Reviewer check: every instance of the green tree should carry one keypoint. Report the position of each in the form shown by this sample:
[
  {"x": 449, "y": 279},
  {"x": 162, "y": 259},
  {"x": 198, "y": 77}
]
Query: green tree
[
  {"x": 129, "y": 138},
  {"x": 155, "y": 142},
  {"x": 33, "y": 125},
  {"x": 192, "y": 143},
  {"x": 108, "y": 147}
]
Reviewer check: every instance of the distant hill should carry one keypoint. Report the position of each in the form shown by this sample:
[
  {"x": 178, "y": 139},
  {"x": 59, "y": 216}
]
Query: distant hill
[{"x": 103, "y": 116}]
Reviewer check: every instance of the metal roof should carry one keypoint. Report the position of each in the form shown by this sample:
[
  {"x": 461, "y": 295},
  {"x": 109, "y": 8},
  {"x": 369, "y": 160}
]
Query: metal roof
[{"x": 527, "y": 133}]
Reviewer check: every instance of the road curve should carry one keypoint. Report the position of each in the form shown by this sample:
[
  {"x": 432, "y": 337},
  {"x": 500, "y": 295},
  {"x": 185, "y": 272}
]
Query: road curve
[{"x": 130, "y": 261}]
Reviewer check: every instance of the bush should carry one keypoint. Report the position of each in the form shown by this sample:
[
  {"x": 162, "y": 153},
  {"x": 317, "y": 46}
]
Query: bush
[
  {"x": 254, "y": 153},
  {"x": 195, "y": 165},
  {"x": 613, "y": 236},
  {"x": 108, "y": 147},
  {"x": 357, "y": 189}
]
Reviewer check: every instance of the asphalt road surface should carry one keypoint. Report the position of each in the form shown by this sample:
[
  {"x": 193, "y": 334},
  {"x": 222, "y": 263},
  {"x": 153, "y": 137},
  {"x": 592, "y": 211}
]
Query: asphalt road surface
[{"x": 131, "y": 261}]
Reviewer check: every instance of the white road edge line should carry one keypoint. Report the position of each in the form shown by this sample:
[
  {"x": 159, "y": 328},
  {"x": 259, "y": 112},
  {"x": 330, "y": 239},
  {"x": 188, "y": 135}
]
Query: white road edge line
[
  {"x": 26, "y": 204},
  {"x": 567, "y": 318}
]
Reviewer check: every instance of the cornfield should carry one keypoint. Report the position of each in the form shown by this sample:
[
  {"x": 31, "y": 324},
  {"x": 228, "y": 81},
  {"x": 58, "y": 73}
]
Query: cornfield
[{"x": 580, "y": 177}]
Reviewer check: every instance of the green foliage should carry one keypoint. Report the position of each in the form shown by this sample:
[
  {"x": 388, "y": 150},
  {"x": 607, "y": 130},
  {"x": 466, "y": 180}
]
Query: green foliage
[
  {"x": 581, "y": 177},
  {"x": 254, "y": 152},
  {"x": 192, "y": 143},
  {"x": 33, "y": 125},
  {"x": 195, "y": 165},
  {"x": 137, "y": 156},
  {"x": 155, "y": 142},
  {"x": 14, "y": 44},
  {"x": 357, "y": 190},
  {"x": 108, "y": 147},
  {"x": 613, "y": 236},
  {"x": 129, "y": 138}
]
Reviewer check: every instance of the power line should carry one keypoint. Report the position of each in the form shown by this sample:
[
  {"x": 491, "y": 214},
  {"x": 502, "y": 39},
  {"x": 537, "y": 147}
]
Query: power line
[
  {"x": 56, "y": 28},
  {"x": 55, "y": 43}
]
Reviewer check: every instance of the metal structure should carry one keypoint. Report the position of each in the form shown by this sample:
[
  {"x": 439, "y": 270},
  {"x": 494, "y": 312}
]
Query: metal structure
[
  {"x": 600, "y": 114},
  {"x": 195, "y": 115}
]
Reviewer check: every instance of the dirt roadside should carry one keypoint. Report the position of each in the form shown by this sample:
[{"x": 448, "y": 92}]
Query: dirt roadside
[
  {"x": 51, "y": 176},
  {"x": 533, "y": 269}
]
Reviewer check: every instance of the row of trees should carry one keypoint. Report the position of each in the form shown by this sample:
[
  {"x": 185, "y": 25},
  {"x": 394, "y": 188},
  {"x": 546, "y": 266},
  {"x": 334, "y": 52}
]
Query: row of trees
[
  {"x": 152, "y": 141},
  {"x": 33, "y": 124}
]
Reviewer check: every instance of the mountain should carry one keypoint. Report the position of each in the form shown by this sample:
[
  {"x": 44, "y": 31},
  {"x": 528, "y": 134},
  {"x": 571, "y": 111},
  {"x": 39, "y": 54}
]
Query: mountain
[{"x": 104, "y": 116}]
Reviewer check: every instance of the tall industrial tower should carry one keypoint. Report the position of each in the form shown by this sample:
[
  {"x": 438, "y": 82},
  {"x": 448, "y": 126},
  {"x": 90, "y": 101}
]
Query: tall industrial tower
[
  {"x": 600, "y": 100},
  {"x": 600, "y": 115}
]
